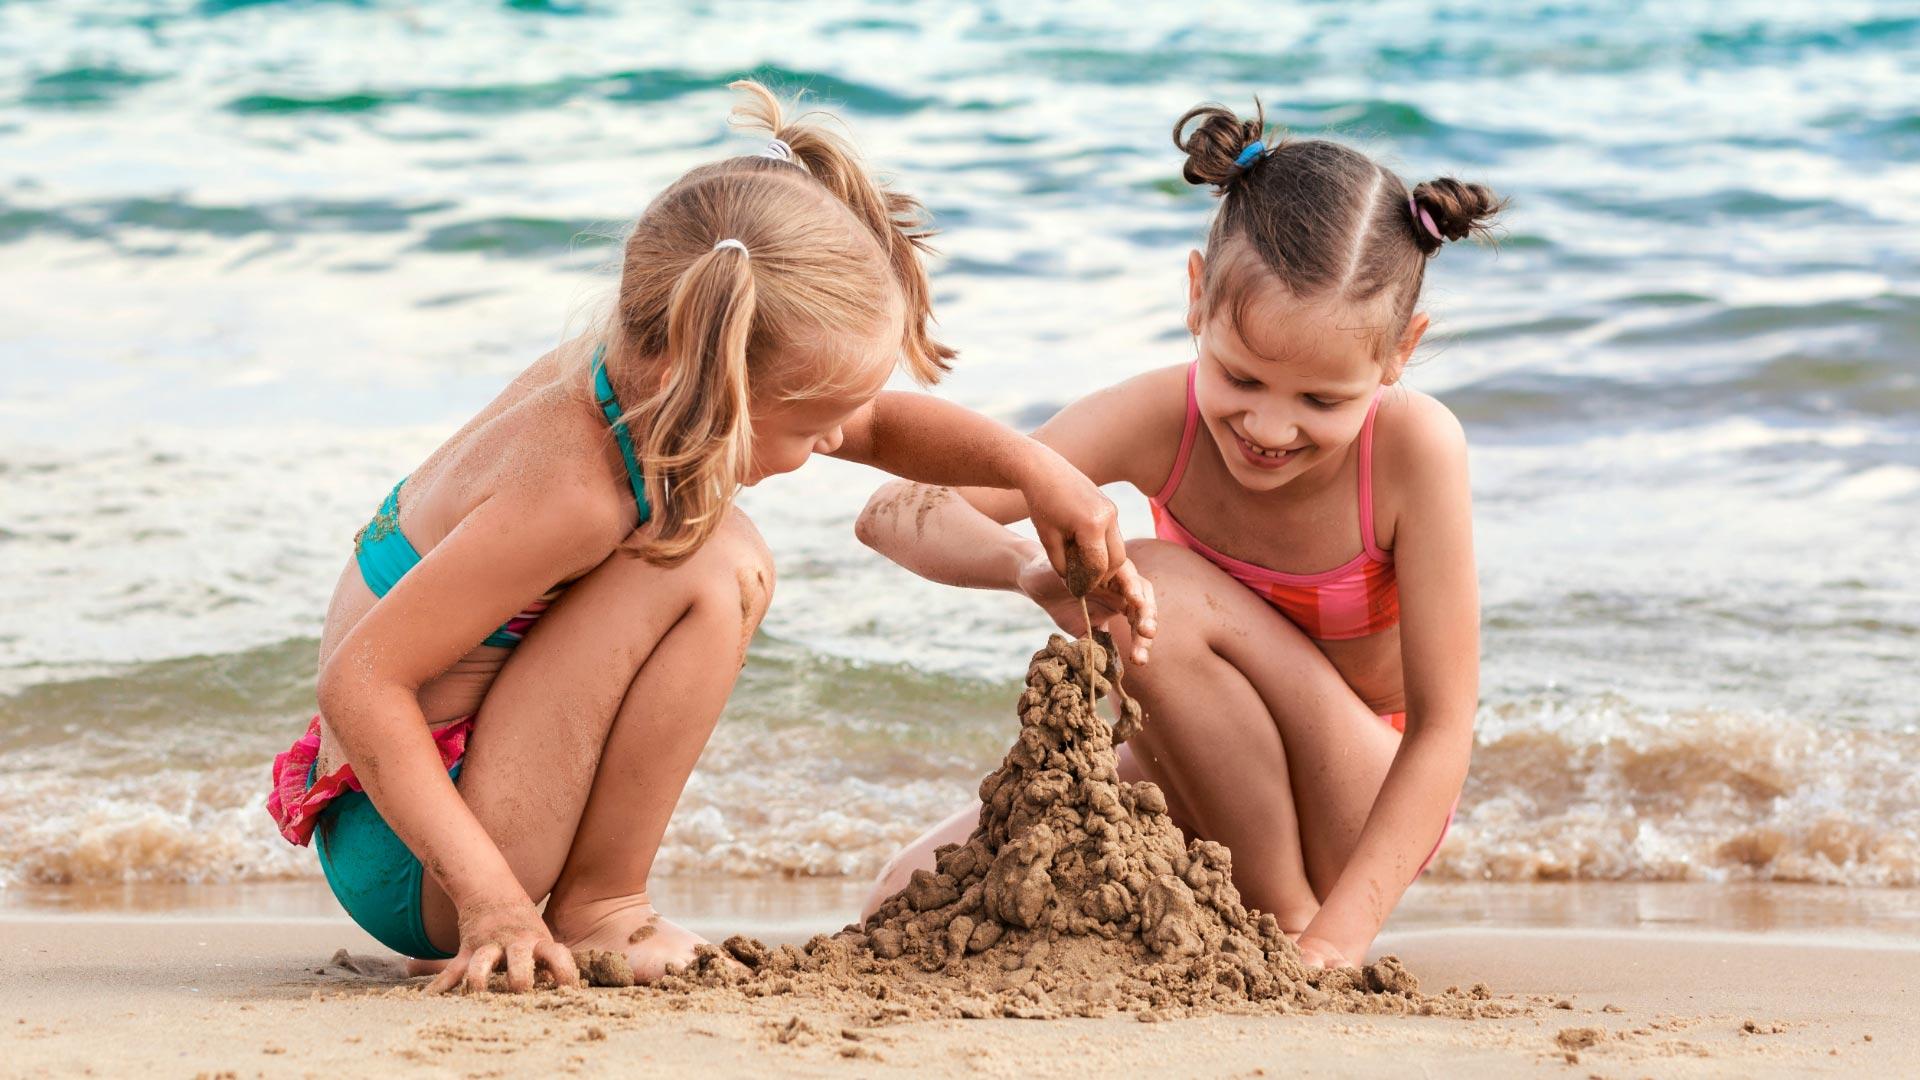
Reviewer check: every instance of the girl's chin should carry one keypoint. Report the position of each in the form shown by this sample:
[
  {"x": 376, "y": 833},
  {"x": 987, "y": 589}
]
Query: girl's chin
[{"x": 1258, "y": 479}]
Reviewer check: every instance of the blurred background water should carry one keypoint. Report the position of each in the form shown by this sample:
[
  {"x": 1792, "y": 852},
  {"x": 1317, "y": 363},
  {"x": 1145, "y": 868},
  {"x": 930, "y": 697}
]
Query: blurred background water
[{"x": 257, "y": 258}]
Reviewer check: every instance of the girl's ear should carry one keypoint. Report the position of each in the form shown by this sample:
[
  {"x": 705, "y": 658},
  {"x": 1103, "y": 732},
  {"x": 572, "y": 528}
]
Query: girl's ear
[
  {"x": 1403, "y": 350},
  {"x": 1196, "y": 287}
]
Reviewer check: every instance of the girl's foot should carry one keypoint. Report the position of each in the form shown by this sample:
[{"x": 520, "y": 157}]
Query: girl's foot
[
  {"x": 417, "y": 968},
  {"x": 624, "y": 924}
]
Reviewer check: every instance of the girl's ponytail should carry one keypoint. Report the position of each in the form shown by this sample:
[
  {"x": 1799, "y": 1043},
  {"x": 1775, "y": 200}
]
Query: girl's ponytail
[
  {"x": 731, "y": 280},
  {"x": 897, "y": 220},
  {"x": 699, "y": 434},
  {"x": 1455, "y": 209}
]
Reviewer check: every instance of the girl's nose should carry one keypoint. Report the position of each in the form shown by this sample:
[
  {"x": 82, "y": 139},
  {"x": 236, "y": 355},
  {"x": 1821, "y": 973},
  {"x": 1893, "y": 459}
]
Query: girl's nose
[
  {"x": 830, "y": 441},
  {"x": 1271, "y": 431}
]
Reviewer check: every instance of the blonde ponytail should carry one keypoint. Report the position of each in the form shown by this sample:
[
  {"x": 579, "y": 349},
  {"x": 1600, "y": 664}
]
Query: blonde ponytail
[
  {"x": 729, "y": 282},
  {"x": 699, "y": 433},
  {"x": 897, "y": 220}
]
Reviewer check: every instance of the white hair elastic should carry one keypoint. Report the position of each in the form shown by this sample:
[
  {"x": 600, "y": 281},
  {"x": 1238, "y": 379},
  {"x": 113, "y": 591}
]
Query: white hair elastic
[
  {"x": 732, "y": 243},
  {"x": 777, "y": 148}
]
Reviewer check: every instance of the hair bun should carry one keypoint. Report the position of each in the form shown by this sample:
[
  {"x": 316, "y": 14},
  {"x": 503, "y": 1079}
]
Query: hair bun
[
  {"x": 1214, "y": 146},
  {"x": 1458, "y": 209}
]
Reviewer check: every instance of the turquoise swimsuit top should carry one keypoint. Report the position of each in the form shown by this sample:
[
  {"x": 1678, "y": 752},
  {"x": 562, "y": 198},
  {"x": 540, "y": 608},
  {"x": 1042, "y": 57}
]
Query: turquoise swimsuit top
[{"x": 385, "y": 554}]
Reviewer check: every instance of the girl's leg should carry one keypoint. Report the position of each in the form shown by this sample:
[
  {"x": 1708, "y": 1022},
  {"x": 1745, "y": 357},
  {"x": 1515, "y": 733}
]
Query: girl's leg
[
  {"x": 1256, "y": 738},
  {"x": 586, "y": 739}
]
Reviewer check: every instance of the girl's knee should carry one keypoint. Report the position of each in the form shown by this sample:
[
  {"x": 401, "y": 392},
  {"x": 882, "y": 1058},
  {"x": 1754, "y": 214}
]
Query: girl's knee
[{"x": 736, "y": 570}]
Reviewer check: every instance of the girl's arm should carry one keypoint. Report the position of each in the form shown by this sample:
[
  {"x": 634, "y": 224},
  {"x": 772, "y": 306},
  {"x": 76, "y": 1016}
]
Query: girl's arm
[
  {"x": 1440, "y": 654},
  {"x": 956, "y": 537},
  {"x": 921, "y": 438},
  {"x": 513, "y": 546}
]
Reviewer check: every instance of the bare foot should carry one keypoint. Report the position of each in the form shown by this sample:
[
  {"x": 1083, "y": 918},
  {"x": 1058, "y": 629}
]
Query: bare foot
[
  {"x": 624, "y": 924},
  {"x": 417, "y": 968}
]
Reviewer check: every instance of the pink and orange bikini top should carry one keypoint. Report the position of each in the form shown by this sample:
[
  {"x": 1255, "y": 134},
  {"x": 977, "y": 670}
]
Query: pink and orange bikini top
[{"x": 1354, "y": 600}]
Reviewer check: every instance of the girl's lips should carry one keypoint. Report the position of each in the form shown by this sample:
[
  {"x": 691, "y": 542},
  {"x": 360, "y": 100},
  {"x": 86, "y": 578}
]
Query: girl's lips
[{"x": 1263, "y": 461}]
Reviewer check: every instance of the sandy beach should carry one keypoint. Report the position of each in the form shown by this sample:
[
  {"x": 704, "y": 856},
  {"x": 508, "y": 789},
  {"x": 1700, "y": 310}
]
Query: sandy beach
[
  {"x": 111, "y": 994},
  {"x": 259, "y": 259}
]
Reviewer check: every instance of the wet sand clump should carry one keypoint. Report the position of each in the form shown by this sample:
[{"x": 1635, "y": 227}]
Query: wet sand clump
[{"x": 1075, "y": 895}]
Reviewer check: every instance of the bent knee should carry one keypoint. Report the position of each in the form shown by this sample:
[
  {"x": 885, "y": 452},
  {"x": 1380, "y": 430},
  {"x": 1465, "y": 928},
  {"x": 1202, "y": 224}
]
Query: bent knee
[
  {"x": 1202, "y": 607},
  {"x": 1188, "y": 590},
  {"x": 1159, "y": 559},
  {"x": 735, "y": 571}
]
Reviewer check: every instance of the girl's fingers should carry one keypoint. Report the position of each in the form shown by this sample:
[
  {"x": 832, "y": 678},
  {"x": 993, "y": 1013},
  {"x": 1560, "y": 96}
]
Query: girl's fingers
[
  {"x": 1093, "y": 552},
  {"x": 558, "y": 961},
  {"x": 449, "y": 976},
  {"x": 1145, "y": 616},
  {"x": 485, "y": 959},
  {"x": 1056, "y": 548},
  {"x": 1116, "y": 544},
  {"x": 1135, "y": 593},
  {"x": 520, "y": 967}
]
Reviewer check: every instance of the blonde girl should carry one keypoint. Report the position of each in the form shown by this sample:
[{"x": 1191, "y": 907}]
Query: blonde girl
[{"x": 541, "y": 624}]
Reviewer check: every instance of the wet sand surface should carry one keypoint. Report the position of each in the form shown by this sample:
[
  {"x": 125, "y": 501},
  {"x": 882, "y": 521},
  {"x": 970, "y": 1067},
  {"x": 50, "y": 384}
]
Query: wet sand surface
[{"x": 213, "y": 996}]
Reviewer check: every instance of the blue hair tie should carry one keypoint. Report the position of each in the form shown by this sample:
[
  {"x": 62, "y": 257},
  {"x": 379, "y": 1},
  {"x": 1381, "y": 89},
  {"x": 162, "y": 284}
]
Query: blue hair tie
[{"x": 1251, "y": 153}]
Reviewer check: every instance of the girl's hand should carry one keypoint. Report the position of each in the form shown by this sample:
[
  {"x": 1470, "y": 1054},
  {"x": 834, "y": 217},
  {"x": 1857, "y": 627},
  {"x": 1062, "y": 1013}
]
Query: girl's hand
[
  {"x": 1124, "y": 595},
  {"x": 1066, "y": 507},
  {"x": 510, "y": 930},
  {"x": 1321, "y": 953}
]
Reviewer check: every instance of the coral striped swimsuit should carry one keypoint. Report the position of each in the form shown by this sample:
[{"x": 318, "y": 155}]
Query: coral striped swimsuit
[{"x": 1353, "y": 600}]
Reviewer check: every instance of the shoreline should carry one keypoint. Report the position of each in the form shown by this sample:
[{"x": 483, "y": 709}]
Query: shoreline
[
  {"x": 211, "y": 995},
  {"x": 792, "y": 909}
]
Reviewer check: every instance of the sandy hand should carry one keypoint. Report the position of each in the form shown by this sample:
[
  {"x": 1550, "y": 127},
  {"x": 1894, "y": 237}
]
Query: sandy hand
[
  {"x": 1124, "y": 595},
  {"x": 505, "y": 932},
  {"x": 1067, "y": 508},
  {"x": 628, "y": 925}
]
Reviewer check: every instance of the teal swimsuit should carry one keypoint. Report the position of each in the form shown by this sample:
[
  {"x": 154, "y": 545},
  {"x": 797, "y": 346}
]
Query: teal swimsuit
[{"x": 372, "y": 873}]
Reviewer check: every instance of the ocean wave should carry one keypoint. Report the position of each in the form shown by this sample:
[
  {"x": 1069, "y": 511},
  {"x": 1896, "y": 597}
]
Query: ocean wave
[
  {"x": 83, "y": 86},
  {"x": 825, "y": 768},
  {"x": 1614, "y": 795},
  {"x": 634, "y": 86}
]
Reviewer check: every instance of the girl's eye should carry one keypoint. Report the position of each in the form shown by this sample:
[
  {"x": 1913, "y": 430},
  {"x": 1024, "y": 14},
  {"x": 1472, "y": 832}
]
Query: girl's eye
[
  {"x": 1239, "y": 383},
  {"x": 1320, "y": 403}
]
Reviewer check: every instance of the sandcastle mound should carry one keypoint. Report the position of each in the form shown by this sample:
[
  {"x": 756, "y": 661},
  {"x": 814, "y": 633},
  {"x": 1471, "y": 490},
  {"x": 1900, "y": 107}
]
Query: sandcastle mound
[{"x": 1075, "y": 895}]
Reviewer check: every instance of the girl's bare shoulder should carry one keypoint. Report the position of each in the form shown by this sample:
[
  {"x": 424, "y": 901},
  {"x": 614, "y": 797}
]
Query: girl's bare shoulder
[
  {"x": 1128, "y": 432},
  {"x": 1412, "y": 425},
  {"x": 542, "y": 454},
  {"x": 1419, "y": 453}
]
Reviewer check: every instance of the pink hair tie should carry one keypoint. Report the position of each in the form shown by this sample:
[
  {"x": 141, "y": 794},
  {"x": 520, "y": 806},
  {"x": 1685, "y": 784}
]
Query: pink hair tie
[{"x": 1420, "y": 214}]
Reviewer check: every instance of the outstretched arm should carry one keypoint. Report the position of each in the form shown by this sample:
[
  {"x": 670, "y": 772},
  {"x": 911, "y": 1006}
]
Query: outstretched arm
[
  {"x": 956, "y": 536},
  {"x": 1440, "y": 654},
  {"x": 921, "y": 438}
]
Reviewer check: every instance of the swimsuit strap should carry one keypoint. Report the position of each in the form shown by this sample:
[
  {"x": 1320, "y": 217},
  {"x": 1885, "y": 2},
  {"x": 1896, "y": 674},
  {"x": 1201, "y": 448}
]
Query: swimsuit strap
[
  {"x": 1186, "y": 440},
  {"x": 1366, "y": 483},
  {"x": 610, "y": 408}
]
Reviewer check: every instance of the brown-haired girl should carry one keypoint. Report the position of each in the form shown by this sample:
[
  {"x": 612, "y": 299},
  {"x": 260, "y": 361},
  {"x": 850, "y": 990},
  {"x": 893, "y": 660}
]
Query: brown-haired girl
[
  {"x": 540, "y": 626},
  {"x": 1311, "y": 695}
]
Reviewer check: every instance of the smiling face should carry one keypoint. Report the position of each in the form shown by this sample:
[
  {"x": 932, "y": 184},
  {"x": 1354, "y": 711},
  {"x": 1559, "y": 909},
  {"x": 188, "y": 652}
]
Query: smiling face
[{"x": 1284, "y": 385}]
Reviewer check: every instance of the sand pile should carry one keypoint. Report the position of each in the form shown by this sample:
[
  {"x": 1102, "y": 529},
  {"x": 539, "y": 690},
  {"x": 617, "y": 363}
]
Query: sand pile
[{"x": 1076, "y": 895}]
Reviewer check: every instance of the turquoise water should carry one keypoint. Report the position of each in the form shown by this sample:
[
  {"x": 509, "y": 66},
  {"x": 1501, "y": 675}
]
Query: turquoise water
[{"x": 256, "y": 259}]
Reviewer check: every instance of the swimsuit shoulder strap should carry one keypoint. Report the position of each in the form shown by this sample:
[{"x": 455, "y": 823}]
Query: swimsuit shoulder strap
[
  {"x": 610, "y": 408},
  {"x": 1366, "y": 483},
  {"x": 1186, "y": 440}
]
